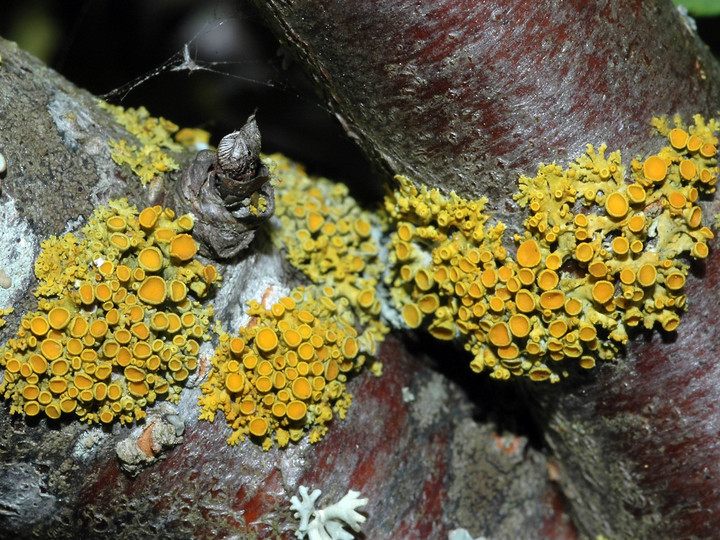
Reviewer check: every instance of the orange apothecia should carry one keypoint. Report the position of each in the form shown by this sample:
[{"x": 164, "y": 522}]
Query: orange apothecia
[
  {"x": 284, "y": 375},
  {"x": 115, "y": 328},
  {"x": 597, "y": 257}
]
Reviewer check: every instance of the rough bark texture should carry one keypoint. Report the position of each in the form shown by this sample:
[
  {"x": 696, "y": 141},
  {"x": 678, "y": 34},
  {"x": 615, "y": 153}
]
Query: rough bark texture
[
  {"x": 467, "y": 95},
  {"x": 420, "y": 463}
]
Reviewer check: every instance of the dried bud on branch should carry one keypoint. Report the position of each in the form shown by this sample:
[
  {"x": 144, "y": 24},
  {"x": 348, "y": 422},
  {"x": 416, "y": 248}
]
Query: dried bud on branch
[{"x": 227, "y": 193}]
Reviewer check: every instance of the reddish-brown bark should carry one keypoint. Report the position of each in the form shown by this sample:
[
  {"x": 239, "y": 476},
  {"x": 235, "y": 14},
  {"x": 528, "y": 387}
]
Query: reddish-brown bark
[{"x": 467, "y": 95}]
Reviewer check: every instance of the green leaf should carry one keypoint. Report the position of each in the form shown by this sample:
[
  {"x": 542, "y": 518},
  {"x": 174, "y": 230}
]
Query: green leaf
[{"x": 700, "y": 8}]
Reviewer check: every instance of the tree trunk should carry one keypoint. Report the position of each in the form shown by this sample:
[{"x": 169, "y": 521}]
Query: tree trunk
[
  {"x": 467, "y": 96},
  {"x": 418, "y": 462}
]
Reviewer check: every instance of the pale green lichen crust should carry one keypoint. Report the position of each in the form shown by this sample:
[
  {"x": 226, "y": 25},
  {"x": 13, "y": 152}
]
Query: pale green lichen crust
[
  {"x": 116, "y": 325},
  {"x": 598, "y": 256}
]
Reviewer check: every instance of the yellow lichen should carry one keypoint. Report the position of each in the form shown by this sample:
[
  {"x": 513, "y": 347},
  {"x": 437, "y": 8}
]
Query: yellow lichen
[
  {"x": 107, "y": 339},
  {"x": 284, "y": 375},
  {"x": 149, "y": 158},
  {"x": 599, "y": 255},
  {"x": 333, "y": 242},
  {"x": 4, "y": 312}
]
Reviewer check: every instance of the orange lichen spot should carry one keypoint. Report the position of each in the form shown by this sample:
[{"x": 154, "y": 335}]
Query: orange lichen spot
[
  {"x": 525, "y": 301},
  {"x": 98, "y": 328},
  {"x": 676, "y": 199},
  {"x": 87, "y": 293},
  {"x": 573, "y": 307},
  {"x": 597, "y": 269},
  {"x": 148, "y": 217},
  {"x": 678, "y": 138},
  {"x": 59, "y": 367},
  {"x": 620, "y": 245},
  {"x": 301, "y": 388},
  {"x": 31, "y": 391},
  {"x": 31, "y": 408},
  {"x": 103, "y": 292},
  {"x": 528, "y": 254},
  {"x": 235, "y": 382},
  {"x": 616, "y": 205},
  {"x": 266, "y": 340},
  {"x": 708, "y": 150},
  {"x": 547, "y": 279},
  {"x": 292, "y": 338},
  {"x": 120, "y": 241},
  {"x": 306, "y": 317},
  {"x": 636, "y": 193},
  {"x": 424, "y": 280},
  {"x": 519, "y": 325},
  {"x": 150, "y": 259},
  {"x": 553, "y": 261},
  {"x": 314, "y": 221},
  {"x": 694, "y": 143},
  {"x": 671, "y": 322},
  {"x": 82, "y": 381},
  {"x": 38, "y": 363},
  {"x": 557, "y": 328},
  {"x": 584, "y": 252},
  {"x": 296, "y": 410},
  {"x": 412, "y": 315},
  {"x": 116, "y": 224},
  {"x": 39, "y": 325},
  {"x": 707, "y": 177},
  {"x": 699, "y": 250},
  {"x": 263, "y": 384},
  {"x": 694, "y": 217},
  {"x": 210, "y": 273},
  {"x": 58, "y": 317},
  {"x": 636, "y": 246},
  {"x": 134, "y": 374},
  {"x": 646, "y": 275},
  {"x": 552, "y": 300},
  {"x": 306, "y": 351},
  {"x": 636, "y": 223},
  {"x": 655, "y": 169},
  {"x": 237, "y": 345},
  {"x": 350, "y": 347},
  {"x": 185, "y": 222},
  {"x": 174, "y": 323},
  {"x": 141, "y": 350},
  {"x": 428, "y": 303},
  {"x": 51, "y": 348},
  {"x": 138, "y": 274},
  {"x": 497, "y": 304},
  {"x": 159, "y": 321},
  {"x": 675, "y": 281},
  {"x": 123, "y": 273},
  {"x": 508, "y": 352},
  {"x": 627, "y": 276},
  {"x": 183, "y": 247},
  {"x": 688, "y": 170},
  {"x": 139, "y": 388},
  {"x": 363, "y": 228},
  {"x": 57, "y": 385},
  {"x": 152, "y": 290},
  {"x": 500, "y": 335},
  {"x": 603, "y": 291},
  {"x": 540, "y": 373}
]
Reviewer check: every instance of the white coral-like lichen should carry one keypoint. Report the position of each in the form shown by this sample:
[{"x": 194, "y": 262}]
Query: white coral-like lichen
[{"x": 327, "y": 523}]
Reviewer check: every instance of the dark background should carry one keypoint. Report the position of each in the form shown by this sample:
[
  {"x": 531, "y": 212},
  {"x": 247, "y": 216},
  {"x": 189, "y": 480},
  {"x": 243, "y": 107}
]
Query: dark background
[{"x": 103, "y": 45}]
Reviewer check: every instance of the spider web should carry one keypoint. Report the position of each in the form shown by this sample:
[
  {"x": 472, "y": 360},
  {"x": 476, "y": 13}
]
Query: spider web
[{"x": 186, "y": 59}]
